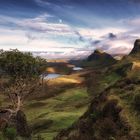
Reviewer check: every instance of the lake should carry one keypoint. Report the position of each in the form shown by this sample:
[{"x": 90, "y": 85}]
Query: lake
[
  {"x": 55, "y": 75},
  {"x": 52, "y": 76},
  {"x": 77, "y": 68}
]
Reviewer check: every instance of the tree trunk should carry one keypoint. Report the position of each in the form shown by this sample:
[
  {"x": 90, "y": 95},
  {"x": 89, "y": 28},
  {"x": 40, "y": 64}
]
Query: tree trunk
[{"x": 18, "y": 103}]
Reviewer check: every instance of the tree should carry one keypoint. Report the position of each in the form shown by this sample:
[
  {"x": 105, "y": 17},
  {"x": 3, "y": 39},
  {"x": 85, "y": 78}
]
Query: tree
[{"x": 21, "y": 73}]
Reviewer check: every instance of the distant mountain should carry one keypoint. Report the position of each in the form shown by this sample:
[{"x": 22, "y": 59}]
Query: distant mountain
[
  {"x": 99, "y": 55},
  {"x": 99, "y": 58}
]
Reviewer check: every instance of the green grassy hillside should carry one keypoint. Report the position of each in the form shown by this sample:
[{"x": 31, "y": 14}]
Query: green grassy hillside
[
  {"x": 56, "y": 105},
  {"x": 48, "y": 116}
]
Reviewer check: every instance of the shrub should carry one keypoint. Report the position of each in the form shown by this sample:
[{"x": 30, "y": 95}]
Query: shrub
[
  {"x": 108, "y": 128},
  {"x": 39, "y": 137},
  {"x": 95, "y": 115},
  {"x": 10, "y": 133},
  {"x": 112, "y": 138},
  {"x": 1, "y": 138},
  {"x": 136, "y": 101},
  {"x": 111, "y": 108}
]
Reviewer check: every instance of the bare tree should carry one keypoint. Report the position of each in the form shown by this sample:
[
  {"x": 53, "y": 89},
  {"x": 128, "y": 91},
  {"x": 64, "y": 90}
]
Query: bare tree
[{"x": 20, "y": 90}]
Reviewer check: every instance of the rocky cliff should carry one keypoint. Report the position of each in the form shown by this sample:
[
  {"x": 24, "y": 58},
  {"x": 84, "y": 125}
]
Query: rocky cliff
[{"x": 136, "y": 48}]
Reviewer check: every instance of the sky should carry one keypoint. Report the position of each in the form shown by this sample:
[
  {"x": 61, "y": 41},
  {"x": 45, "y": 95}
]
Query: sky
[{"x": 69, "y": 28}]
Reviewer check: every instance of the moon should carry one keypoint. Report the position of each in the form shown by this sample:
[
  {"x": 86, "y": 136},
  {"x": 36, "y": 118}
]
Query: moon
[{"x": 60, "y": 21}]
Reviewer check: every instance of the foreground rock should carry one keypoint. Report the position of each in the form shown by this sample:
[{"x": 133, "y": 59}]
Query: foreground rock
[
  {"x": 21, "y": 125},
  {"x": 16, "y": 121}
]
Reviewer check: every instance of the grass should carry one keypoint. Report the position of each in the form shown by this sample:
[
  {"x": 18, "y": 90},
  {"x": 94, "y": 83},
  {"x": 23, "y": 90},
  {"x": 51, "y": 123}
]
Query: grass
[
  {"x": 67, "y": 101},
  {"x": 99, "y": 82},
  {"x": 112, "y": 78},
  {"x": 63, "y": 110},
  {"x": 72, "y": 95},
  {"x": 126, "y": 96},
  {"x": 124, "y": 93}
]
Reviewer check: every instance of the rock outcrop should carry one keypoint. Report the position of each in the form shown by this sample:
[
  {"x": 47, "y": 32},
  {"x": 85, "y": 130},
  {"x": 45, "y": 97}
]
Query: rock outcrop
[
  {"x": 15, "y": 120},
  {"x": 136, "y": 48},
  {"x": 98, "y": 55},
  {"x": 21, "y": 125}
]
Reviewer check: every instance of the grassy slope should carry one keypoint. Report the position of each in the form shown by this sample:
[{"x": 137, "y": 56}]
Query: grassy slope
[
  {"x": 127, "y": 92},
  {"x": 63, "y": 110},
  {"x": 124, "y": 91},
  {"x": 123, "y": 82},
  {"x": 48, "y": 116}
]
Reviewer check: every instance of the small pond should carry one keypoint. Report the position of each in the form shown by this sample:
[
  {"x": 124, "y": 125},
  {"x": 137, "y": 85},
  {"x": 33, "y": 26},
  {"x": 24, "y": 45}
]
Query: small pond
[
  {"x": 77, "y": 68},
  {"x": 52, "y": 76},
  {"x": 55, "y": 75}
]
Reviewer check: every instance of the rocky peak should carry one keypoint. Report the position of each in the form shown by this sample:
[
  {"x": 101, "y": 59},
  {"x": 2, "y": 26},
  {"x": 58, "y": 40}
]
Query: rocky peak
[
  {"x": 98, "y": 55},
  {"x": 97, "y": 51},
  {"x": 136, "y": 48}
]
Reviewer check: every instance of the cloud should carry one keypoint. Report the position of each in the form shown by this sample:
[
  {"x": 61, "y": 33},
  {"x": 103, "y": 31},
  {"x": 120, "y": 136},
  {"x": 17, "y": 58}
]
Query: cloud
[
  {"x": 37, "y": 24},
  {"x": 81, "y": 38},
  {"x": 63, "y": 55},
  {"x": 44, "y": 3},
  {"x": 59, "y": 39},
  {"x": 41, "y": 26},
  {"x": 121, "y": 43},
  {"x": 95, "y": 42},
  {"x": 134, "y": 22}
]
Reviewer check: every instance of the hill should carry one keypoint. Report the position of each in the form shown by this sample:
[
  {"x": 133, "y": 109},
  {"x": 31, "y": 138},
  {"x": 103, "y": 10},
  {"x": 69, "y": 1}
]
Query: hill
[
  {"x": 98, "y": 59},
  {"x": 114, "y": 111},
  {"x": 59, "y": 109},
  {"x": 55, "y": 105},
  {"x": 136, "y": 48},
  {"x": 97, "y": 55}
]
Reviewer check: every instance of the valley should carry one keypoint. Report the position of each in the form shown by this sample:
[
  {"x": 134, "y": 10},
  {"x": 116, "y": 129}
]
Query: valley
[
  {"x": 98, "y": 99},
  {"x": 69, "y": 69},
  {"x": 48, "y": 116}
]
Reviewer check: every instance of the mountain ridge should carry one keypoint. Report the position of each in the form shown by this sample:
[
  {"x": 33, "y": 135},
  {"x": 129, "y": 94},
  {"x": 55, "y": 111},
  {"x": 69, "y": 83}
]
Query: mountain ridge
[{"x": 113, "y": 113}]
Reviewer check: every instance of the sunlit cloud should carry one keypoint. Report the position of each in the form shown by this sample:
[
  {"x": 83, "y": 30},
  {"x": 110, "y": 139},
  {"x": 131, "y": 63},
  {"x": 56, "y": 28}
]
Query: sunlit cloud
[{"x": 55, "y": 38}]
